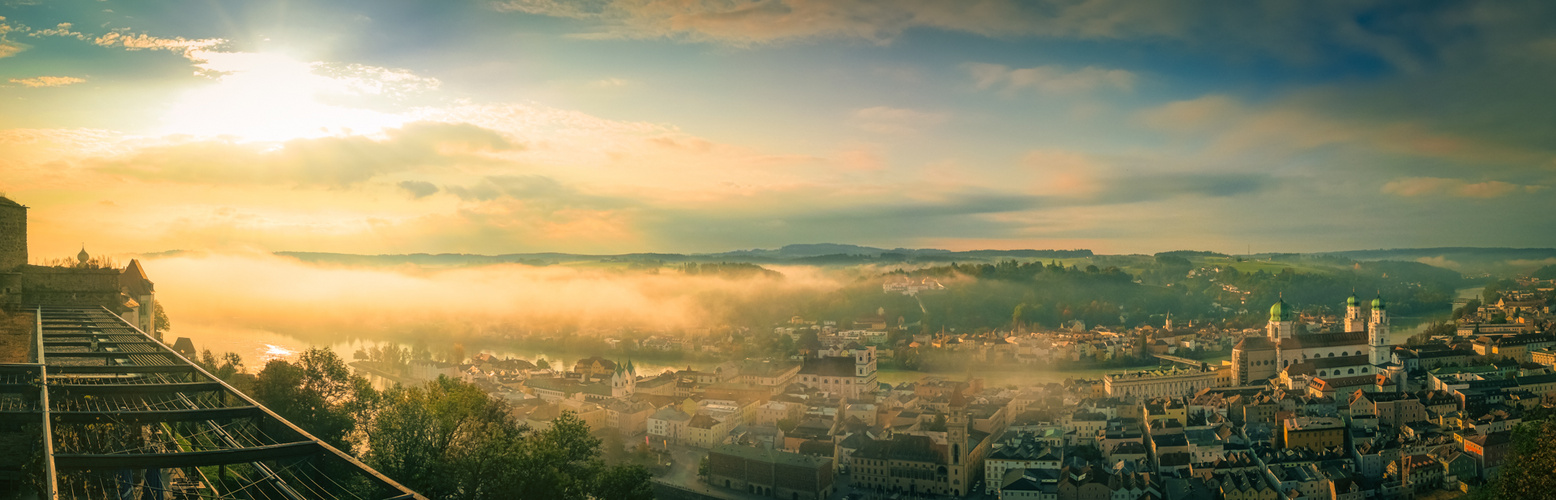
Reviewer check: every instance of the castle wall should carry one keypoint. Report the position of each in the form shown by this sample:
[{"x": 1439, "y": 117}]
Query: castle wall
[
  {"x": 69, "y": 286},
  {"x": 13, "y": 236}
]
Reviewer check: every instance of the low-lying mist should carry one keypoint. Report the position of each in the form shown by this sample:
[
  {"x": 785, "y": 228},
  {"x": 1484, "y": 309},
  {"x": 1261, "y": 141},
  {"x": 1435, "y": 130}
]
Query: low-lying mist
[{"x": 332, "y": 303}]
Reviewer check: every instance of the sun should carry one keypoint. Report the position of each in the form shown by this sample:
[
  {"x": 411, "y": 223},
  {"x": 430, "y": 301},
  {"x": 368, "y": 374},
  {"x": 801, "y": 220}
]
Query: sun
[{"x": 273, "y": 97}]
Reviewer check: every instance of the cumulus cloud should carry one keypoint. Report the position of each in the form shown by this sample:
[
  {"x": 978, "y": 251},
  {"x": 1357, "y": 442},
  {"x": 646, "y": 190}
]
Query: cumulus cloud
[
  {"x": 141, "y": 41},
  {"x": 889, "y": 120},
  {"x": 47, "y": 81},
  {"x": 61, "y": 29},
  {"x": 1050, "y": 79},
  {"x": 1439, "y": 186},
  {"x": 329, "y": 161}
]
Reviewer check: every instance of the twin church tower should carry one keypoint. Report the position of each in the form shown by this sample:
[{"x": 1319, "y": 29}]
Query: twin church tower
[{"x": 1361, "y": 350}]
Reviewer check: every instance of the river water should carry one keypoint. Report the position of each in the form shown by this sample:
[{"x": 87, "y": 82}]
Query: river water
[{"x": 258, "y": 347}]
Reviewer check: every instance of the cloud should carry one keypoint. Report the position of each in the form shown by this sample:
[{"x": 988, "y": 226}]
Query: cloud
[
  {"x": 1438, "y": 186},
  {"x": 47, "y": 81},
  {"x": 418, "y": 189},
  {"x": 1229, "y": 126},
  {"x": 1050, "y": 79},
  {"x": 889, "y": 120},
  {"x": 142, "y": 41},
  {"x": 329, "y": 161},
  {"x": 62, "y": 29},
  {"x": 1305, "y": 32},
  {"x": 877, "y": 21},
  {"x": 1076, "y": 178},
  {"x": 608, "y": 83},
  {"x": 8, "y": 49}
]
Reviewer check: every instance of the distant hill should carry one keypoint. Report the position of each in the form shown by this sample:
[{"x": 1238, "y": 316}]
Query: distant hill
[
  {"x": 813, "y": 254},
  {"x": 1467, "y": 260}
]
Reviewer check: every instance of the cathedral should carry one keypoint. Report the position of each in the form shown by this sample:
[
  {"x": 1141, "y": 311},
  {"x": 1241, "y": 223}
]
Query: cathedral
[{"x": 1360, "y": 350}]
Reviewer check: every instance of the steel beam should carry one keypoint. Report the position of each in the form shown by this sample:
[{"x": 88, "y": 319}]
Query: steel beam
[{"x": 300, "y": 449}]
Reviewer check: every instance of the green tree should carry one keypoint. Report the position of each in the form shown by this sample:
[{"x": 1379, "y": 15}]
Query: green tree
[
  {"x": 627, "y": 482},
  {"x": 445, "y": 440},
  {"x": 160, "y": 318},
  {"x": 560, "y": 462},
  {"x": 318, "y": 393},
  {"x": 1526, "y": 473}
]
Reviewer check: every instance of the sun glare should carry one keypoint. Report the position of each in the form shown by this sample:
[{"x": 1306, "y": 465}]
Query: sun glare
[{"x": 271, "y": 97}]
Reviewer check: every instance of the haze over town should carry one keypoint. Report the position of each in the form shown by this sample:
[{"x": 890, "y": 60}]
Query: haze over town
[{"x": 1008, "y": 248}]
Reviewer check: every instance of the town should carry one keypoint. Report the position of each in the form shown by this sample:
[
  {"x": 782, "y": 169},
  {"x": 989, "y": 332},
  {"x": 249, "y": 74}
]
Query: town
[{"x": 1306, "y": 406}]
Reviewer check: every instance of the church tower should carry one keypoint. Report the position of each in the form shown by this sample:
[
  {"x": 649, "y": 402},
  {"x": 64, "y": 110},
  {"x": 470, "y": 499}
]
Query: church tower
[
  {"x": 1282, "y": 321},
  {"x": 1354, "y": 322},
  {"x": 1378, "y": 332},
  {"x": 864, "y": 361},
  {"x": 13, "y": 235},
  {"x": 956, "y": 443}
]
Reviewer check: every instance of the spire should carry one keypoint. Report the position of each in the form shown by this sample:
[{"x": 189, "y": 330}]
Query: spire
[{"x": 82, "y": 257}]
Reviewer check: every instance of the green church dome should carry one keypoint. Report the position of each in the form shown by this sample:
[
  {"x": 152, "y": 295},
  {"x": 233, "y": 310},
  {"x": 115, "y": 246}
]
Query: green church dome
[
  {"x": 1280, "y": 311},
  {"x": 1352, "y": 301},
  {"x": 1377, "y": 304}
]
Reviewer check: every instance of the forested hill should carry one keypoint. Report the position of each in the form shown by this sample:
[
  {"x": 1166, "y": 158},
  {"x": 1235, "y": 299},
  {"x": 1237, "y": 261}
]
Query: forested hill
[{"x": 1206, "y": 287}]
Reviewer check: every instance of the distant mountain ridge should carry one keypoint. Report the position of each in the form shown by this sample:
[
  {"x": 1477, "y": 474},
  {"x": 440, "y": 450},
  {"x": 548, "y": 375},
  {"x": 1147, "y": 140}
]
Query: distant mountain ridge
[{"x": 815, "y": 253}]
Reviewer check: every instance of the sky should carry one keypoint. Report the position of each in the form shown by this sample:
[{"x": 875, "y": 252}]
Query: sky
[{"x": 614, "y": 126}]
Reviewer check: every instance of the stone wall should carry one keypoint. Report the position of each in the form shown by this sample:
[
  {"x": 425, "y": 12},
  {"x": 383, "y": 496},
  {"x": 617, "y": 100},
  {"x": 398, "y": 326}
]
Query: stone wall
[
  {"x": 70, "y": 286},
  {"x": 13, "y": 236}
]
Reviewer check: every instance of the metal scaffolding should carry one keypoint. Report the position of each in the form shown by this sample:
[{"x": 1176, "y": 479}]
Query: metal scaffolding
[{"x": 121, "y": 414}]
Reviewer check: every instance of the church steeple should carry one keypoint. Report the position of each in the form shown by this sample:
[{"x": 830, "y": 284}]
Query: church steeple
[{"x": 1282, "y": 320}]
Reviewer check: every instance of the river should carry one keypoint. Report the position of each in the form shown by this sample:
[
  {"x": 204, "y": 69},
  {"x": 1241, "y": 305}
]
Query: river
[{"x": 258, "y": 347}]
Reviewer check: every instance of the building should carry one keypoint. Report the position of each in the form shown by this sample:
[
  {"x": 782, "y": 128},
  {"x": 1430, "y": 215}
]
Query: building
[
  {"x": 593, "y": 367},
  {"x": 846, "y": 376},
  {"x": 769, "y": 373},
  {"x": 1165, "y": 382},
  {"x": 1393, "y": 409},
  {"x": 1417, "y": 472},
  {"x": 1313, "y": 433},
  {"x": 770, "y": 473},
  {"x": 84, "y": 282},
  {"x": 1489, "y": 451},
  {"x": 667, "y": 425},
  {"x": 1017, "y": 451},
  {"x": 1256, "y": 361},
  {"x": 917, "y": 464}
]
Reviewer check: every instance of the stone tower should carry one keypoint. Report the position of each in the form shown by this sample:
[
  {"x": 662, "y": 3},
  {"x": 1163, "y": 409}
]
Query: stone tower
[
  {"x": 13, "y": 234},
  {"x": 1378, "y": 332},
  {"x": 1354, "y": 322},
  {"x": 956, "y": 443}
]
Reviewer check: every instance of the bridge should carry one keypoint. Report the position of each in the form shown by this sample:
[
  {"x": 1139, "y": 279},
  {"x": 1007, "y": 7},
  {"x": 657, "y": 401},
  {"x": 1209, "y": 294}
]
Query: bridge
[
  {"x": 1182, "y": 361},
  {"x": 114, "y": 413}
]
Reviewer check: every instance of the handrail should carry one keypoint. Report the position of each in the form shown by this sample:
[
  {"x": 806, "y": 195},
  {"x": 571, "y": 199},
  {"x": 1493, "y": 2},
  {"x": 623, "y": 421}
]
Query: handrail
[{"x": 50, "y": 484}]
